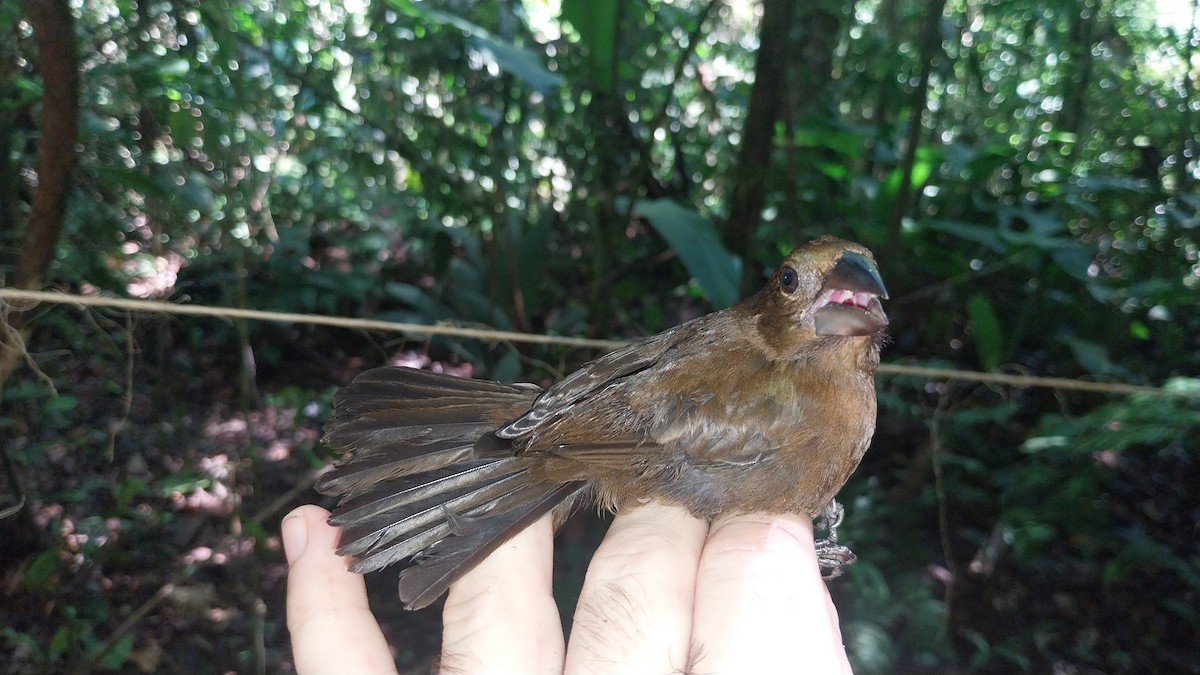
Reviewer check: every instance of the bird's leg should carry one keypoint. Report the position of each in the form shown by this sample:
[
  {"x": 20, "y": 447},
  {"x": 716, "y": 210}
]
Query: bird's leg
[
  {"x": 830, "y": 518},
  {"x": 831, "y": 556}
]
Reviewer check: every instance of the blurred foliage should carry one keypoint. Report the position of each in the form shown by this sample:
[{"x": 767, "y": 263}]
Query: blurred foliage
[{"x": 1028, "y": 177}]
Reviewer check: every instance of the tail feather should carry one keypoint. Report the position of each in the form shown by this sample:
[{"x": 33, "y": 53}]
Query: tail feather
[
  {"x": 425, "y": 475},
  {"x": 380, "y": 389},
  {"x": 364, "y": 471},
  {"x": 397, "y": 405},
  {"x": 474, "y": 539},
  {"x": 435, "y": 522},
  {"x": 416, "y": 420},
  {"x": 383, "y": 383},
  {"x": 402, "y": 550},
  {"x": 382, "y": 498},
  {"x": 363, "y": 536}
]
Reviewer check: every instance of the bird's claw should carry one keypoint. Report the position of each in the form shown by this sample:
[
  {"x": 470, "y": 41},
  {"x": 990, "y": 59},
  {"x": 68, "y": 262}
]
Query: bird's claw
[
  {"x": 830, "y": 518},
  {"x": 832, "y": 556}
]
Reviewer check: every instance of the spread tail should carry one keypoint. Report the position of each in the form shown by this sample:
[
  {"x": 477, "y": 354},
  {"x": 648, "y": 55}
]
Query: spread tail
[{"x": 423, "y": 475}]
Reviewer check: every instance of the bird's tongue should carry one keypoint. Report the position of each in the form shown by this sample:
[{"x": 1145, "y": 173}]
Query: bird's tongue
[{"x": 849, "y": 298}]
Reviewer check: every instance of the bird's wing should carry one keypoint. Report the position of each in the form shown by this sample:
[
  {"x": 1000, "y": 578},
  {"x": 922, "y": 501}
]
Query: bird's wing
[
  {"x": 725, "y": 429},
  {"x": 592, "y": 379},
  {"x": 702, "y": 408}
]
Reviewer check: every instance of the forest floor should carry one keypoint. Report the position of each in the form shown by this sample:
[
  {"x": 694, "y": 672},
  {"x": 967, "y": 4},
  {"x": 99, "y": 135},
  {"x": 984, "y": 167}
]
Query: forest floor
[{"x": 156, "y": 500}]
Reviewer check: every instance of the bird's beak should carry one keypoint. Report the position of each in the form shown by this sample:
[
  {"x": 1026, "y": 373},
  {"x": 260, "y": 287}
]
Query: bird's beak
[
  {"x": 855, "y": 272},
  {"x": 849, "y": 302}
]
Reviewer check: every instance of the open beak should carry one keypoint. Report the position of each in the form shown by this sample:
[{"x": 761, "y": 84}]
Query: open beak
[{"x": 849, "y": 303}]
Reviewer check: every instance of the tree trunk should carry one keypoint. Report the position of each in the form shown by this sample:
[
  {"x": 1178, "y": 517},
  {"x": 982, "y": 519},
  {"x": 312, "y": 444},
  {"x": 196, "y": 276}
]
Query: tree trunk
[
  {"x": 930, "y": 45},
  {"x": 767, "y": 95},
  {"x": 58, "y": 65},
  {"x": 1074, "y": 88},
  {"x": 15, "y": 109},
  {"x": 813, "y": 43},
  {"x": 1191, "y": 91}
]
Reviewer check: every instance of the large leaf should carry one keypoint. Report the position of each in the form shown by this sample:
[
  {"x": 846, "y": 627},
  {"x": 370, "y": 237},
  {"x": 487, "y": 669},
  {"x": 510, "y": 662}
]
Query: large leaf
[
  {"x": 427, "y": 308},
  {"x": 518, "y": 61},
  {"x": 980, "y": 234},
  {"x": 595, "y": 22},
  {"x": 695, "y": 239},
  {"x": 989, "y": 343},
  {"x": 1093, "y": 356}
]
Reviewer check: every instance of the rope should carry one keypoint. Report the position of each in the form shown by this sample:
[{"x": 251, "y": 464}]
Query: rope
[
  {"x": 488, "y": 334},
  {"x": 289, "y": 317},
  {"x": 1029, "y": 381}
]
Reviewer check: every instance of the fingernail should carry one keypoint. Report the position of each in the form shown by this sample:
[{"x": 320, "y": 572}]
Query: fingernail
[{"x": 295, "y": 537}]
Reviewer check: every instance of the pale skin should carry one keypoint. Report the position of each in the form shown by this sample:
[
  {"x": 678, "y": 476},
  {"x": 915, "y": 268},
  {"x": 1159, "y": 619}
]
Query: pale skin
[{"x": 665, "y": 593}]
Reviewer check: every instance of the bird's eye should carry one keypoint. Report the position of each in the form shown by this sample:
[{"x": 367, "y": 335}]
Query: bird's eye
[{"x": 789, "y": 280}]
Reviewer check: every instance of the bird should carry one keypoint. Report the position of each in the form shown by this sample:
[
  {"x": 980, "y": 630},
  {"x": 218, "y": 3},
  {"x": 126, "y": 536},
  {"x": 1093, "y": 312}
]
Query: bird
[{"x": 765, "y": 406}]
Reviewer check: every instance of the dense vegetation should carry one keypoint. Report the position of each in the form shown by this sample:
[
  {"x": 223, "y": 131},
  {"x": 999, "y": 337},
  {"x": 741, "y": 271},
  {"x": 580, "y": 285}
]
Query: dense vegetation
[{"x": 1026, "y": 171}]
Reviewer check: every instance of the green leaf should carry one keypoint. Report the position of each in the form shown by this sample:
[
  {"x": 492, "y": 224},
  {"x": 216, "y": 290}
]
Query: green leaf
[
  {"x": 989, "y": 343},
  {"x": 25, "y": 640},
  {"x": 968, "y": 231},
  {"x": 427, "y": 307},
  {"x": 814, "y": 132},
  {"x": 695, "y": 239},
  {"x": 521, "y": 62},
  {"x": 182, "y": 483},
  {"x": 834, "y": 170},
  {"x": 1074, "y": 260},
  {"x": 928, "y": 159},
  {"x": 1037, "y": 444},
  {"x": 174, "y": 69},
  {"x": 255, "y": 529},
  {"x": 119, "y": 653},
  {"x": 871, "y": 645},
  {"x": 131, "y": 179},
  {"x": 518, "y": 61},
  {"x": 1091, "y": 355},
  {"x": 60, "y": 642},
  {"x": 41, "y": 570},
  {"x": 596, "y": 23},
  {"x": 23, "y": 92},
  {"x": 508, "y": 368},
  {"x": 1183, "y": 385},
  {"x": 60, "y": 405}
]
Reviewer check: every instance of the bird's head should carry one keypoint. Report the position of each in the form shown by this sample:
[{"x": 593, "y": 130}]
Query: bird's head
[{"x": 824, "y": 291}]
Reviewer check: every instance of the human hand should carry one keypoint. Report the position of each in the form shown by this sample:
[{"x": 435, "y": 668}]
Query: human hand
[
  {"x": 664, "y": 593},
  {"x": 332, "y": 628}
]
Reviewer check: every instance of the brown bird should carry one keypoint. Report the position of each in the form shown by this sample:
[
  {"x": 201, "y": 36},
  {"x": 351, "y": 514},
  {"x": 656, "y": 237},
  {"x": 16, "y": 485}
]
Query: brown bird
[{"x": 766, "y": 406}]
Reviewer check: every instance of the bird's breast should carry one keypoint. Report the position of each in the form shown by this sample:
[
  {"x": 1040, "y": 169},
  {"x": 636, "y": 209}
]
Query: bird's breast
[{"x": 748, "y": 434}]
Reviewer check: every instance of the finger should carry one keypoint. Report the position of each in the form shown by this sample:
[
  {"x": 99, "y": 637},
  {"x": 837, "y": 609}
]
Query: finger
[
  {"x": 501, "y": 617},
  {"x": 333, "y": 630},
  {"x": 761, "y": 605},
  {"x": 635, "y": 608}
]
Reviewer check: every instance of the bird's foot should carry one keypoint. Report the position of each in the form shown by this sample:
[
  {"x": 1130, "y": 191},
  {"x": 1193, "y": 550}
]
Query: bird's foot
[{"x": 832, "y": 556}]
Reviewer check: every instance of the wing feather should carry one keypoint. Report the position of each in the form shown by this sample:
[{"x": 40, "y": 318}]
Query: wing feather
[{"x": 593, "y": 378}]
